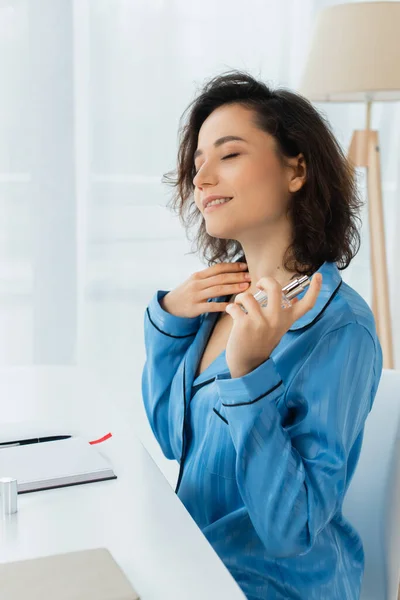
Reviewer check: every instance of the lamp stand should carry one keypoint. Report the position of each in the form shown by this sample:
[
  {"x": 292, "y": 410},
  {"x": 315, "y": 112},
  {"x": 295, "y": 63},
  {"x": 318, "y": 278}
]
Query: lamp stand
[{"x": 364, "y": 152}]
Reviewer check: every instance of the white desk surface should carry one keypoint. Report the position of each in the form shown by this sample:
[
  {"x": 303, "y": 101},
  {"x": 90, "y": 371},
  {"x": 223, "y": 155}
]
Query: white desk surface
[{"x": 137, "y": 517}]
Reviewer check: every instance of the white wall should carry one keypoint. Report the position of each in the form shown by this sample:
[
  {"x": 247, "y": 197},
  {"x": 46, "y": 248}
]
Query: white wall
[{"x": 92, "y": 93}]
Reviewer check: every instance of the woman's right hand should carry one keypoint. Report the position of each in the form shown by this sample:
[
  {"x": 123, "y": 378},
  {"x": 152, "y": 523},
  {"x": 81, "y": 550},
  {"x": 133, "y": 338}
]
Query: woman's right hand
[{"x": 190, "y": 298}]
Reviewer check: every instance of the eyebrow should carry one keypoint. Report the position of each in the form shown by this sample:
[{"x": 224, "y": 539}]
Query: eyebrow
[{"x": 220, "y": 141}]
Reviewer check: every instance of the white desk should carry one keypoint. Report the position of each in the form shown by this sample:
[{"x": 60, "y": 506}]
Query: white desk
[{"x": 137, "y": 517}]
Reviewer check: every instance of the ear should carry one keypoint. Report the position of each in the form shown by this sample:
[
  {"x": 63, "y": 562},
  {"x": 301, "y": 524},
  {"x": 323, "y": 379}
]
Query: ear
[{"x": 297, "y": 173}]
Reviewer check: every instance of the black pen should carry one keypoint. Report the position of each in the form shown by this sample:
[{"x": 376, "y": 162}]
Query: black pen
[{"x": 51, "y": 438}]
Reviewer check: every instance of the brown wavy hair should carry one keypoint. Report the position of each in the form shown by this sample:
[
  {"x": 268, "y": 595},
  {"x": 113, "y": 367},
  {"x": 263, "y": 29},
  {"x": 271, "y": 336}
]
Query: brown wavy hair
[{"x": 324, "y": 210}]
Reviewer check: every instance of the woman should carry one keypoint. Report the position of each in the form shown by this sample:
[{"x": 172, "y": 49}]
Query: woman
[{"x": 265, "y": 409}]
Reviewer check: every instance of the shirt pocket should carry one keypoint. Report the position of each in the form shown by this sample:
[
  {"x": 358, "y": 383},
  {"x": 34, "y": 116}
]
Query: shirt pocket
[{"x": 218, "y": 452}]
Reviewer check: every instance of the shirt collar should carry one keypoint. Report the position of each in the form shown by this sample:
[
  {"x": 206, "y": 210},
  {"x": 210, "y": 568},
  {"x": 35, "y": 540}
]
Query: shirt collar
[{"x": 331, "y": 282}]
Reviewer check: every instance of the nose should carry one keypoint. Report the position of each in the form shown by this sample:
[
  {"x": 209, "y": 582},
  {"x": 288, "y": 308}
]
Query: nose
[{"x": 204, "y": 176}]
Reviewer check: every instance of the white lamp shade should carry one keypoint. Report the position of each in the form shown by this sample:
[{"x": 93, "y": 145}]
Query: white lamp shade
[{"x": 354, "y": 54}]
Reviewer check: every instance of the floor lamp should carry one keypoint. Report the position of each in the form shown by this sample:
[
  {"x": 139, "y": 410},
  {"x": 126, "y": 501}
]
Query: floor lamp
[{"x": 354, "y": 56}]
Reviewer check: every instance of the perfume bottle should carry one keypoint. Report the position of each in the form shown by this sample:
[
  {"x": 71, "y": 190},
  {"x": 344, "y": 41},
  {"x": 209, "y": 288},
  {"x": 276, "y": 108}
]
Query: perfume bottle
[{"x": 293, "y": 289}]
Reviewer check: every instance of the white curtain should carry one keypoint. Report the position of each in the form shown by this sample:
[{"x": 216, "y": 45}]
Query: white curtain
[{"x": 91, "y": 96}]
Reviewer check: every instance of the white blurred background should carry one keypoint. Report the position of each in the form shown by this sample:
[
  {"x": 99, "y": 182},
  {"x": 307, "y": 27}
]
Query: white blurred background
[{"x": 90, "y": 100}]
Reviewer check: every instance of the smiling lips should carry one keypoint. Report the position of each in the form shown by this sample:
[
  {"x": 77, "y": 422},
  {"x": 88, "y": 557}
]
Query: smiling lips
[
  {"x": 205, "y": 201},
  {"x": 211, "y": 206}
]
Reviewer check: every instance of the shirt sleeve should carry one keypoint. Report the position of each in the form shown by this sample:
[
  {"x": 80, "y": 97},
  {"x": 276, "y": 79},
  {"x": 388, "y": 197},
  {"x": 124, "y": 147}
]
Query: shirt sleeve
[
  {"x": 292, "y": 458},
  {"x": 167, "y": 338}
]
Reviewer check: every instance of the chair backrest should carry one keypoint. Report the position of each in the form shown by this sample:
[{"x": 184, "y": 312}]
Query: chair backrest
[{"x": 372, "y": 502}]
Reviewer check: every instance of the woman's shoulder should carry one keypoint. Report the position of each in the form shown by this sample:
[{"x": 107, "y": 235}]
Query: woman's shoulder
[
  {"x": 349, "y": 308},
  {"x": 346, "y": 321}
]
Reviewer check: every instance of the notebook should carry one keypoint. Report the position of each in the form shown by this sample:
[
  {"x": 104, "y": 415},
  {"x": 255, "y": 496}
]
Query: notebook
[
  {"x": 84, "y": 575},
  {"x": 54, "y": 464}
]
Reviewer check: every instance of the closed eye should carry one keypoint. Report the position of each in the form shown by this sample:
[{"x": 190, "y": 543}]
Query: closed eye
[
  {"x": 230, "y": 155},
  {"x": 223, "y": 158}
]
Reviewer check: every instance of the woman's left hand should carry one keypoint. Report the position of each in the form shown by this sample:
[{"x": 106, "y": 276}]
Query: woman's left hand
[{"x": 255, "y": 335}]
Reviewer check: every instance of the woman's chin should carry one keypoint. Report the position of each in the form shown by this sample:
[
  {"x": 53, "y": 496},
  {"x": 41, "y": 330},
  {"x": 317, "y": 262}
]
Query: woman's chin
[{"x": 220, "y": 232}]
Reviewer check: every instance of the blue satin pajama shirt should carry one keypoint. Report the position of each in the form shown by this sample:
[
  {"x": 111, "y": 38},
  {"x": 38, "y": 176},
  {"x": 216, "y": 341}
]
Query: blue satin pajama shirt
[{"x": 266, "y": 459}]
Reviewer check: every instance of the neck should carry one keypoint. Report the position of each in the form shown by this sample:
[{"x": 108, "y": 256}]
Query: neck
[{"x": 264, "y": 255}]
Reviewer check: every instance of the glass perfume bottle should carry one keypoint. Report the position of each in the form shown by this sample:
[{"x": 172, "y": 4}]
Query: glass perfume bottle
[{"x": 290, "y": 291}]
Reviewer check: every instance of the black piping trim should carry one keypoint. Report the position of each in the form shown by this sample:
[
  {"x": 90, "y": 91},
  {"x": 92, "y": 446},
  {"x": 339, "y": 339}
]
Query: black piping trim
[
  {"x": 256, "y": 400},
  {"x": 164, "y": 332},
  {"x": 183, "y": 435},
  {"x": 220, "y": 416},
  {"x": 197, "y": 387},
  {"x": 321, "y": 312}
]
